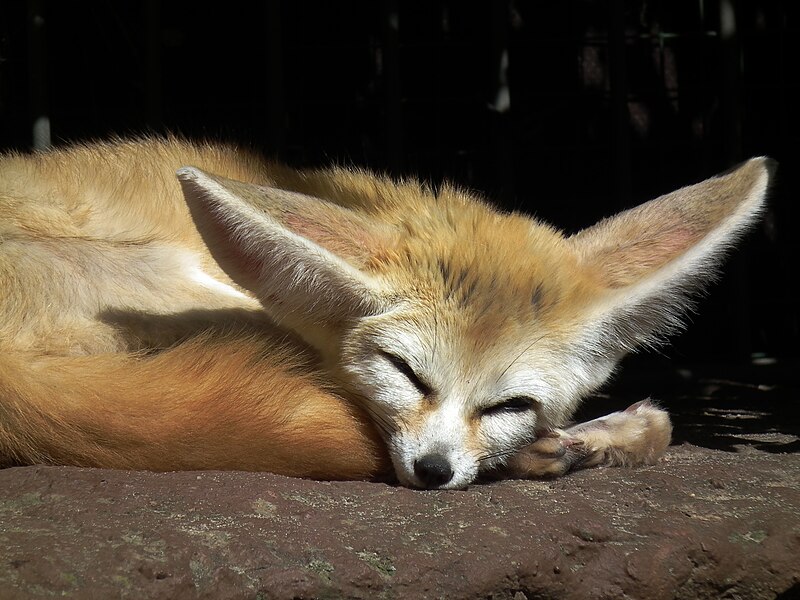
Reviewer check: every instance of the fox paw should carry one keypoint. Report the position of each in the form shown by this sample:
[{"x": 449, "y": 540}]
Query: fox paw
[{"x": 639, "y": 435}]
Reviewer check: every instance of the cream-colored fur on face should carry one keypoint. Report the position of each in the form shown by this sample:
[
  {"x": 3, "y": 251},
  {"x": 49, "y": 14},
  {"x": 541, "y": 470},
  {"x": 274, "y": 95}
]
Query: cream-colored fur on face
[{"x": 170, "y": 305}]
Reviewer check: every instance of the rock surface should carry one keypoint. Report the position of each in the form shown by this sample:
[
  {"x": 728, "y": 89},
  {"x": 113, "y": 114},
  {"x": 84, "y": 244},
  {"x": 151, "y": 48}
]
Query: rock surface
[{"x": 717, "y": 518}]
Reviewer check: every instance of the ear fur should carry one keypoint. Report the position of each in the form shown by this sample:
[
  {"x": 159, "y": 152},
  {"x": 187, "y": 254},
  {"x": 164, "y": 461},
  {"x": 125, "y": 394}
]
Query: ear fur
[
  {"x": 298, "y": 254},
  {"x": 653, "y": 259}
]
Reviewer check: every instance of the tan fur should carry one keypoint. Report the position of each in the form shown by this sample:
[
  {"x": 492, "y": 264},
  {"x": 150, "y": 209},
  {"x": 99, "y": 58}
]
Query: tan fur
[
  {"x": 230, "y": 403},
  {"x": 237, "y": 319},
  {"x": 205, "y": 404},
  {"x": 639, "y": 435}
]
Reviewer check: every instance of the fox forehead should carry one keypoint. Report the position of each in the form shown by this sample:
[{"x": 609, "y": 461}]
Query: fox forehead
[
  {"x": 471, "y": 263},
  {"x": 474, "y": 371}
]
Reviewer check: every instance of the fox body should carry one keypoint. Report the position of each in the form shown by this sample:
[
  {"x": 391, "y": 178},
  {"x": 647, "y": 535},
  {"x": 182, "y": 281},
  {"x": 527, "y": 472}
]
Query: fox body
[{"x": 167, "y": 305}]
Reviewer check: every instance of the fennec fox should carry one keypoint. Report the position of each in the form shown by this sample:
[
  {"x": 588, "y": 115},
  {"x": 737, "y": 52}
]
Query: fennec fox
[{"x": 328, "y": 324}]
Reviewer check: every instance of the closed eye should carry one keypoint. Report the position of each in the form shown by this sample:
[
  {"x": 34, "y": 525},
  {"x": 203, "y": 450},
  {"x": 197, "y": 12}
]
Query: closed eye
[
  {"x": 518, "y": 404},
  {"x": 402, "y": 366}
]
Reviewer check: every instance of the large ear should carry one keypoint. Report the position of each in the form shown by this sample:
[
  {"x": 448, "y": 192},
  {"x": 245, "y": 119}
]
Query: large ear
[
  {"x": 300, "y": 255},
  {"x": 653, "y": 259}
]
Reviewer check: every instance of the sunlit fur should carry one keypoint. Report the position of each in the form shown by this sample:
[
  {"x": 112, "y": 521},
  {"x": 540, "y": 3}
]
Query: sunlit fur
[
  {"x": 638, "y": 435},
  {"x": 241, "y": 314}
]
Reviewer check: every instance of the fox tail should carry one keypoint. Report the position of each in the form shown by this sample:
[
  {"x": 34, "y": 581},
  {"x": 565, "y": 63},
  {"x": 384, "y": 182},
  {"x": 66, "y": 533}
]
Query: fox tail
[{"x": 203, "y": 404}]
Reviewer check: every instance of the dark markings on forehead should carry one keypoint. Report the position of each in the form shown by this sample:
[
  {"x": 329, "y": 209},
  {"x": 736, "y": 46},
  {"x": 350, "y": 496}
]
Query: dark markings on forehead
[
  {"x": 458, "y": 282},
  {"x": 467, "y": 293},
  {"x": 466, "y": 289},
  {"x": 454, "y": 281},
  {"x": 444, "y": 269},
  {"x": 481, "y": 294},
  {"x": 537, "y": 296}
]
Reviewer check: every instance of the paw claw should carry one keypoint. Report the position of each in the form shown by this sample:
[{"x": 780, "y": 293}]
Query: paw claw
[{"x": 637, "y": 405}]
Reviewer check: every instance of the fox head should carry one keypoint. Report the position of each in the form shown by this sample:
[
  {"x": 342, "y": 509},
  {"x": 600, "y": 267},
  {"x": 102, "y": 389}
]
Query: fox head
[{"x": 463, "y": 330}]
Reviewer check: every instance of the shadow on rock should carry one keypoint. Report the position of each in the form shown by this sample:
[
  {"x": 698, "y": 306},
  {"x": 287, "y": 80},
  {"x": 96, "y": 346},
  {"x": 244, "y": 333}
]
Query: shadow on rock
[{"x": 721, "y": 408}]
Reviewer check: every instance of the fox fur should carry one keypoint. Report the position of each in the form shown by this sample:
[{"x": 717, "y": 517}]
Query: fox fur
[{"x": 172, "y": 305}]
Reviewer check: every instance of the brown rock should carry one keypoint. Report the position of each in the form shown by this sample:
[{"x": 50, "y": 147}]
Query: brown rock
[{"x": 668, "y": 531}]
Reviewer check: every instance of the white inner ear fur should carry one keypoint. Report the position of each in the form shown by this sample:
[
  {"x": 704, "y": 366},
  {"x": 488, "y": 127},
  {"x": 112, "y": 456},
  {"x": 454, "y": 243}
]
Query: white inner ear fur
[
  {"x": 645, "y": 312},
  {"x": 291, "y": 274}
]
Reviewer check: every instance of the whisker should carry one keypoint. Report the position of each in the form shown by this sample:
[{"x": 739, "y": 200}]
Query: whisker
[
  {"x": 383, "y": 421},
  {"x": 387, "y": 423},
  {"x": 513, "y": 362},
  {"x": 529, "y": 439},
  {"x": 493, "y": 455}
]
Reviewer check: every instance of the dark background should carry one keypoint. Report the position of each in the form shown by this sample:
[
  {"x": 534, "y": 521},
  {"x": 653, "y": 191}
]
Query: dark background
[{"x": 609, "y": 103}]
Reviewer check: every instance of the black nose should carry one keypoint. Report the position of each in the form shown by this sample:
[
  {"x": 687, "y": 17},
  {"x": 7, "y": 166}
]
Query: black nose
[{"x": 434, "y": 470}]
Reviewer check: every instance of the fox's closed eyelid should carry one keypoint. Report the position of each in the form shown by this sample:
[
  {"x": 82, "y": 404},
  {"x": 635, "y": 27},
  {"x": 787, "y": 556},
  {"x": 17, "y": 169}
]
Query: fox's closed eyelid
[
  {"x": 404, "y": 368},
  {"x": 514, "y": 405}
]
